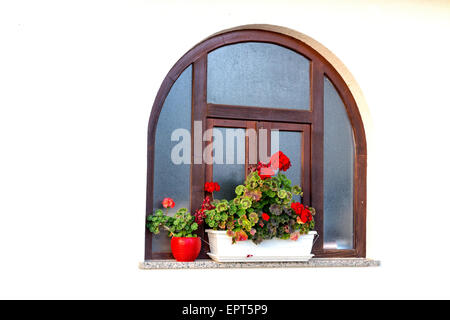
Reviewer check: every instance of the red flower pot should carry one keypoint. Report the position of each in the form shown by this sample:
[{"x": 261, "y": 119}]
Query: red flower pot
[{"x": 185, "y": 249}]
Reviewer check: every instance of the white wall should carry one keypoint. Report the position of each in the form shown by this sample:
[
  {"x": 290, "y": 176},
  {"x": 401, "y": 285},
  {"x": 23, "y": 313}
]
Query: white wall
[{"x": 77, "y": 81}]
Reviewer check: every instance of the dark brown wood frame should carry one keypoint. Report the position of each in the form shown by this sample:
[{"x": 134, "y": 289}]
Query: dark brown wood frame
[
  {"x": 202, "y": 111},
  {"x": 306, "y": 163}
]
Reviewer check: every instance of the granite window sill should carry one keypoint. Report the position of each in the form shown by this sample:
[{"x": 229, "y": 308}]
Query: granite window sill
[{"x": 210, "y": 264}]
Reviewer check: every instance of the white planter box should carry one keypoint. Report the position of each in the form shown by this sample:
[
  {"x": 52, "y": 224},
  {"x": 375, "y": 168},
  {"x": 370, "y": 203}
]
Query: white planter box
[{"x": 223, "y": 250}]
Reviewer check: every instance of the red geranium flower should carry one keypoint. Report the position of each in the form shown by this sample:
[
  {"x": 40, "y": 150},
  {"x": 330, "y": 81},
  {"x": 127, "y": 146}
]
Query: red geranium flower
[
  {"x": 265, "y": 173},
  {"x": 297, "y": 207},
  {"x": 206, "y": 204},
  {"x": 265, "y": 217},
  {"x": 302, "y": 211},
  {"x": 211, "y": 187},
  {"x": 305, "y": 215},
  {"x": 241, "y": 236},
  {"x": 199, "y": 216},
  {"x": 168, "y": 203},
  {"x": 265, "y": 170},
  {"x": 280, "y": 161}
]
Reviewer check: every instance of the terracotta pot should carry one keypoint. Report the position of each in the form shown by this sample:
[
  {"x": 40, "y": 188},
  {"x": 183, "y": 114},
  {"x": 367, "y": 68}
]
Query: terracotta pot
[{"x": 185, "y": 249}]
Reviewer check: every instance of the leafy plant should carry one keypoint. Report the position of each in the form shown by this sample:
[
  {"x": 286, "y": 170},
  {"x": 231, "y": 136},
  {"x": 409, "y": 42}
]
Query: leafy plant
[
  {"x": 235, "y": 216},
  {"x": 182, "y": 224},
  {"x": 263, "y": 207}
]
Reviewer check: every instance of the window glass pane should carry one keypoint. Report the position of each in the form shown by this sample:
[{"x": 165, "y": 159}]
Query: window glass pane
[
  {"x": 229, "y": 160},
  {"x": 290, "y": 143},
  {"x": 338, "y": 172},
  {"x": 258, "y": 74},
  {"x": 171, "y": 179}
]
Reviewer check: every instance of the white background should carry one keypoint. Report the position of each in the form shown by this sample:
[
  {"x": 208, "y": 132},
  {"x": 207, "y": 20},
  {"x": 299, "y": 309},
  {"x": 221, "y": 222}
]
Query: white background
[{"x": 77, "y": 82}]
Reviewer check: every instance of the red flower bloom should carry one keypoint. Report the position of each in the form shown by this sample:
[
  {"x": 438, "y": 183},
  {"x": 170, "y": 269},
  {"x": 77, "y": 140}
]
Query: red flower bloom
[
  {"x": 306, "y": 215},
  {"x": 280, "y": 161},
  {"x": 265, "y": 173},
  {"x": 294, "y": 236},
  {"x": 303, "y": 212},
  {"x": 206, "y": 204},
  {"x": 265, "y": 217},
  {"x": 200, "y": 216},
  {"x": 265, "y": 170},
  {"x": 297, "y": 207},
  {"x": 241, "y": 236},
  {"x": 168, "y": 203},
  {"x": 211, "y": 187}
]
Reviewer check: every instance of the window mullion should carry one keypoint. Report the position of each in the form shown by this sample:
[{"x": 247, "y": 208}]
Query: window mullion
[
  {"x": 317, "y": 150},
  {"x": 199, "y": 83}
]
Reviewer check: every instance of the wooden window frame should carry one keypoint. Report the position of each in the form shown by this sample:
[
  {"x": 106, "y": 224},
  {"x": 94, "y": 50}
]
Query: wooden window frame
[
  {"x": 305, "y": 129},
  {"x": 313, "y": 118},
  {"x": 306, "y": 159},
  {"x": 229, "y": 123}
]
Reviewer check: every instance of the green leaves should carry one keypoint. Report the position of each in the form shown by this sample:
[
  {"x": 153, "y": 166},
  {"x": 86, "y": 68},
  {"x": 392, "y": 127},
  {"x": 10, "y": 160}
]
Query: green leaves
[
  {"x": 156, "y": 221},
  {"x": 246, "y": 203},
  {"x": 297, "y": 190},
  {"x": 182, "y": 224},
  {"x": 239, "y": 190},
  {"x": 242, "y": 216},
  {"x": 255, "y": 195},
  {"x": 253, "y": 217},
  {"x": 222, "y": 206},
  {"x": 282, "y": 194},
  {"x": 271, "y": 193}
]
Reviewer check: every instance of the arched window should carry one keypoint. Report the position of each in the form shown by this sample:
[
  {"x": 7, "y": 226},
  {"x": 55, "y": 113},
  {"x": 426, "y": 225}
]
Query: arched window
[{"x": 269, "y": 81}]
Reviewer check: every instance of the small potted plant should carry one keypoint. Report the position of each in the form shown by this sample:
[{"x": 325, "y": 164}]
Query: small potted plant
[
  {"x": 264, "y": 212},
  {"x": 185, "y": 244}
]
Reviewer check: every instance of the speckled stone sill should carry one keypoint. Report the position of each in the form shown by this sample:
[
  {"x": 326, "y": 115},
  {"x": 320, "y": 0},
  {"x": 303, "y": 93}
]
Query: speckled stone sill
[{"x": 209, "y": 264}]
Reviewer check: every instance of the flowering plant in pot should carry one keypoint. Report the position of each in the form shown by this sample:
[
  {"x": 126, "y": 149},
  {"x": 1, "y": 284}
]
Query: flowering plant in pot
[
  {"x": 235, "y": 214},
  {"x": 185, "y": 244},
  {"x": 263, "y": 209}
]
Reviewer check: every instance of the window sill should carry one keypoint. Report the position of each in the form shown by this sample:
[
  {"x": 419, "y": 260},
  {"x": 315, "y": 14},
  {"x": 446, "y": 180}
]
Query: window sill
[{"x": 209, "y": 264}]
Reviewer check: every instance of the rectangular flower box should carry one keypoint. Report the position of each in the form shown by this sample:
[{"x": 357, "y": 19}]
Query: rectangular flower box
[{"x": 223, "y": 250}]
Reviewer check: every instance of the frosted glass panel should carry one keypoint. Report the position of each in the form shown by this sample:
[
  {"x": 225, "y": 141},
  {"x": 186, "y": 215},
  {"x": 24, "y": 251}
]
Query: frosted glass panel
[
  {"x": 290, "y": 143},
  {"x": 338, "y": 172},
  {"x": 170, "y": 179},
  {"x": 258, "y": 74},
  {"x": 229, "y": 160}
]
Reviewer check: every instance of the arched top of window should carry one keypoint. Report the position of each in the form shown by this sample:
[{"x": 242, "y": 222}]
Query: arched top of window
[
  {"x": 264, "y": 77},
  {"x": 258, "y": 74}
]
